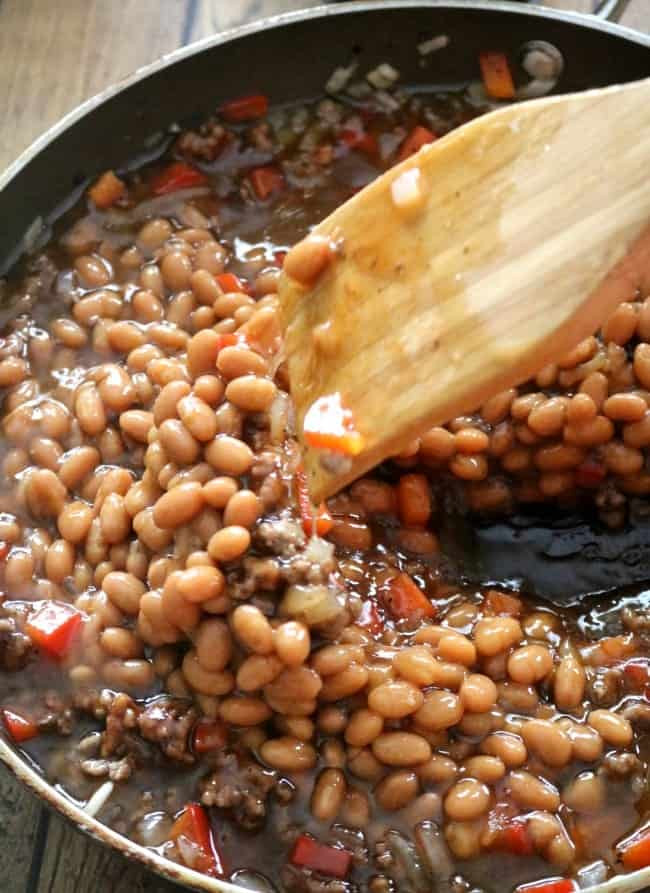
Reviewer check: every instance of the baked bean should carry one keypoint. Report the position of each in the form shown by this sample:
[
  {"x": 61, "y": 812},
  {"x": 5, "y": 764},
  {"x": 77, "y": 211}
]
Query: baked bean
[
  {"x": 547, "y": 418},
  {"x": 213, "y": 644},
  {"x": 457, "y": 648},
  {"x": 179, "y": 445},
  {"x": 178, "y": 506},
  {"x": 642, "y": 364},
  {"x": 508, "y": 746},
  {"x": 176, "y": 269},
  {"x": 344, "y": 684},
  {"x": 401, "y": 749},
  {"x": 469, "y": 467},
  {"x": 439, "y": 710},
  {"x": 124, "y": 590},
  {"x": 204, "y": 681},
  {"x": 328, "y": 795},
  {"x": 292, "y": 642},
  {"x": 548, "y": 741},
  {"x": 467, "y": 800},
  {"x": 637, "y": 434},
  {"x": 621, "y": 325},
  {"x": 395, "y": 699},
  {"x": 74, "y": 521},
  {"x": 252, "y": 629},
  {"x": 258, "y": 671},
  {"x": 295, "y": 683},
  {"x": 237, "y": 361},
  {"x": 129, "y": 675},
  {"x": 585, "y": 793},
  {"x": 59, "y": 560},
  {"x": 296, "y": 726},
  {"x": 332, "y": 659},
  {"x": 495, "y": 634},
  {"x": 251, "y": 393},
  {"x": 569, "y": 683},
  {"x": 229, "y": 543},
  {"x": 154, "y": 234},
  {"x": 288, "y": 754},
  {"x": 219, "y": 491},
  {"x": 532, "y": 792},
  {"x": 413, "y": 499},
  {"x": 416, "y": 664},
  {"x": 478, "y": 693},
  {"x": 152, "y": 536},
  {"x": 438, "y": 444},
  {"x": 244, "y": 711},
  {"x": 586, "y": 742},
  {"x": 209, "y": 388},
  {"x": 243, "y": 509},
  {"x": 45, "y": 493},
  {"x": 397, "y": 790},
  {"x": 308, "y": 259},
  {"x": 202, "y": 352},
  {"x": 530, "y": 664},
  {"x": 485, "y": 769},
  {"x": 120, "y": 642},
  {"x": 614, "y": 729},
  {"x": 625, "y": 407},
  {"x": 229, "y": 456}
]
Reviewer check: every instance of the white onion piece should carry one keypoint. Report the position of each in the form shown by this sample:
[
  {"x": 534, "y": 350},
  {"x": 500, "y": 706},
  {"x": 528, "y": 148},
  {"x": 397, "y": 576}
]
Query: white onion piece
[
  {"x": 319, "y": 551},
  {"x": 406, "y": 190},
  {"x": 592, "y": 875},
  {"x": 433, "y": 45},
  {"x": 534, "y": 89},
  {"x": 339, "y": 78},
  {"x": 383, "y": 76},
  {"x": 99, "y": 798},
  {"x": 279, "y": 417},
  {"x": 314, "y": 603}
]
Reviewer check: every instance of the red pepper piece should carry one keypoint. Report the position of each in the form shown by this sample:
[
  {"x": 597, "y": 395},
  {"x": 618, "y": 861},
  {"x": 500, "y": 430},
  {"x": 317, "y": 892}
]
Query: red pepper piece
[
  {"x": 52, "y": 627},
  {"x": 370, "y": 618},
  {"x": 590, "y": 473},
  {"x": 418, "y": 137},
  {"x": 328, "y": 425},
  {"x": 637, "y": 672},
  {"x": 208, "y": 735},
  {"x": 177, "y": 175},
  {"x": 495, "y": 72},
  {"x": 106, "y": 190},
  {"x": 5, "y": 548},
  {"x": 228, "y": 282},
  {"x": 635, "y": 852},
  {"x": 359, "y": 139},
  {"x": 193, "y": 826},
  {"x": 405, "y": 600},
  {"x": 245, "y": 108},
  {"x": 20, "y": 729},
  {"x": 266, "y": 180},
  {"x": 515, "y": 838},
  {"x": 309, "y": 853},
  {"x": 551, "y": 885},
  {"x": 321, "y": 523},
  {"x": 501, "y": 603}
]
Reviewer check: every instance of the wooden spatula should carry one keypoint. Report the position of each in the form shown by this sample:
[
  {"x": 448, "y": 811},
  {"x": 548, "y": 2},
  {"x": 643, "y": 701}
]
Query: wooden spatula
[{"x": 462, "y": 271}]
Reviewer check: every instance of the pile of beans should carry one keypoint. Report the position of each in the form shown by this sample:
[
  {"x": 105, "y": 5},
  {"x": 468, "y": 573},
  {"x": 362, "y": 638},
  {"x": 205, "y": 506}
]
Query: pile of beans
[{"x": 150, "y": 490}]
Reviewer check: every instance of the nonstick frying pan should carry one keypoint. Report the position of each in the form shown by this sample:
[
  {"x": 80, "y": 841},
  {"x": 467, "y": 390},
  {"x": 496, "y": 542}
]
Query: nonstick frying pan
[{"x": 291, "y": 57}]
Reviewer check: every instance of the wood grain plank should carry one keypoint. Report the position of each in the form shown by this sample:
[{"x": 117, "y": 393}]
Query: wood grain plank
[
  {"x": 54, "y": 55},
  {"x": 73, "y": 862},
  {"x": 215, "y": 15},
  {"x": 19, "y": 817}
]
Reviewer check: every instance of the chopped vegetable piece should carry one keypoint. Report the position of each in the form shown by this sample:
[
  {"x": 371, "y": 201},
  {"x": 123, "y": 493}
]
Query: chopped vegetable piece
[
  {"x": 309, "y": 853},
  {"x": 5, "y": 548},
  {"x": 417, "y": 138},
  {"x": 635, "y": 851},
  {"x": 52, "y": 626},
  {"x": 320, "y": 523},
  {"x": 228, "y": 282},
  {"x": 515, "y": 838},
  {"x": 497, "y": 79},
  {"x": 637, "y": 672},
  {"x": 590, "y": 473},
  {"x": 502, "y": 603},
  {"x": 370, "y": 618},
  {"x": 209, "y": 735},
  {"x": 266, "y": 180},
  {"x": 177, "y": 175},
  {"x": 20, "y": 729},
  {"x": 329, "y": 426},
  {"x": 405, "y": 600},
  {"x": 246, "y": 108},
  {"x": 359, "y": 139},
  {"x": 194, "y": 838},
  {"x": 550, "y": 885},
  {"x": 106, "y": 190}
]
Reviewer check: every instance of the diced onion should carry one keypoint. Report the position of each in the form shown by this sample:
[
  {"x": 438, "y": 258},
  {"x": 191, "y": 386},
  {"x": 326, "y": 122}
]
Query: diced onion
[
  {"x": 433, "y": 45},
  {"x": 592, "y": 875},
  {"x": 383, "y": 76},
  {"x": 279, "y": 417},
  {"x": 99, "y": 798},
  {"x": 340, "y": 78},
  {"x": 406, "y": 190},
  {"x": 319, "y": 551},
  {"x": 314, "y": 603}
]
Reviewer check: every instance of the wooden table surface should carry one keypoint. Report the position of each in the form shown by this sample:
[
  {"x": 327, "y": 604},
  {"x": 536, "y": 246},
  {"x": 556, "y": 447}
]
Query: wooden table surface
[{"x": 53, "y": 55}]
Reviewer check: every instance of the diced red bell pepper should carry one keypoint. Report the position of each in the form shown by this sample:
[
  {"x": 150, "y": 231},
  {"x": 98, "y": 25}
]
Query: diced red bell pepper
[
  {"x": 590, "y": 474},
  {"x": 405, "y": 600},
  {"x": 177, "y": 175},
  {"x": 635, "y": 851},
  {"x": 329, "y": 860},
  {"x": 228, "y": 282},
  {"x": 245, "y": 108},
  {"x": 359, "y": 139},
  {"x": 106, "y": 190},
  {"x": 193, "y": 826},
  {"x": 5, "y": 548},
  {"x": 637, "y": 672},
  {"x": 209, "y": 735},
  {"x": 515, "y": 838},
  {"x": 52, "y": 626},
  {"x": 266, "y": 180},
  {"x": 370, "y": 618},
  {"x": 550, "y": 885},
  {"x": 319, "y": 523},
  {"x": 495, "y": 72},
  {"x": 418, "y": 137},
  {"x": 19, "y": 727},
  {"x": 501, "y": 603},
  {"x": 328, "y": 425}
]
